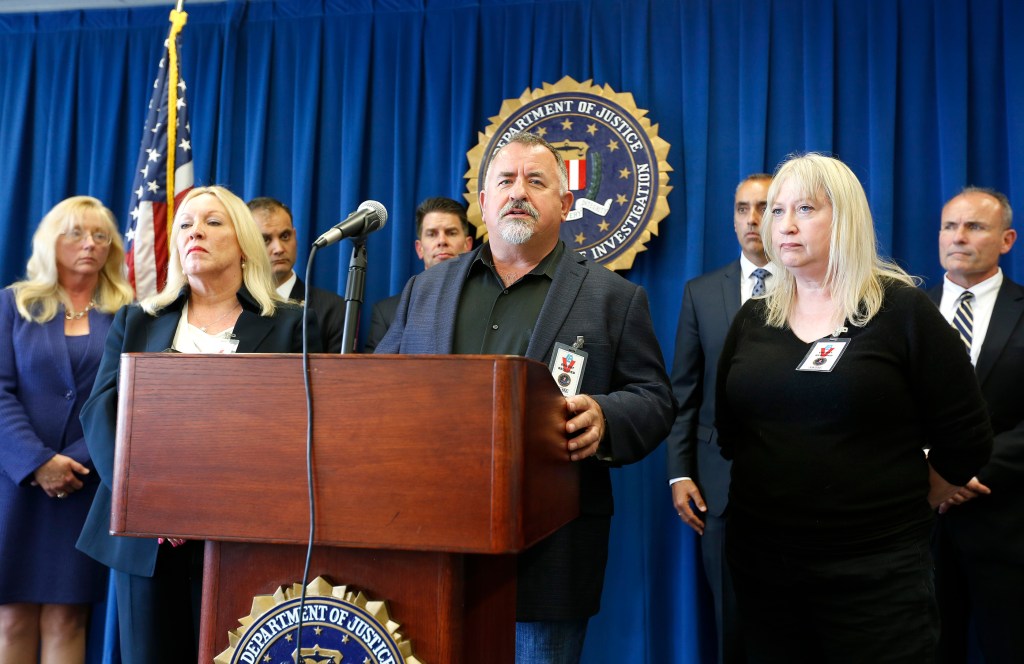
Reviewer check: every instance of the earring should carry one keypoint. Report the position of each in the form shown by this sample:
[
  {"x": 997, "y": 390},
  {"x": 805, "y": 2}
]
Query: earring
[{"x": 243, "y": 262}]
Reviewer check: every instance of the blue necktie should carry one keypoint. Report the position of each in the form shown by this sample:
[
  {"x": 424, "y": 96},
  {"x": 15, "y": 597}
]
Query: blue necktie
[
  {"x": 963, "y": 319},
  {"x": 760, "y": 274}
]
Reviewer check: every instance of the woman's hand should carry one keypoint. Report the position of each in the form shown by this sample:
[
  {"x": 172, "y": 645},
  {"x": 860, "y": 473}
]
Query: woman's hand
[
  {"x": 939, "y": 490},
  {"x": 972, "y": 490},
  {"x": 58, "y": 477}
]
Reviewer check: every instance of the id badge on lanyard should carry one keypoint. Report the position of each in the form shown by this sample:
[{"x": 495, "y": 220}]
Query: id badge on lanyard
[{"x": 825, "y": 354}]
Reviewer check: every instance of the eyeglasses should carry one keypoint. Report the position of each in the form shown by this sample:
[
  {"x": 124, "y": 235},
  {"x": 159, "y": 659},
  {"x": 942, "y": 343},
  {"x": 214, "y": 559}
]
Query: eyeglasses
[{"x": 76, "y": 235}]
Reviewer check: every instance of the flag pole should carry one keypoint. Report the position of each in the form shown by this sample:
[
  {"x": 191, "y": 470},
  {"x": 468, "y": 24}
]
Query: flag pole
[{"x": 178, "y": 19}]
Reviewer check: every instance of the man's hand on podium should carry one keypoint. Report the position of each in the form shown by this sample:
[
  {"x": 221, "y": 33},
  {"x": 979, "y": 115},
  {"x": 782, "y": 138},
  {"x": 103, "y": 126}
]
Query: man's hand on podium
[{"x": 586, "y": 426}]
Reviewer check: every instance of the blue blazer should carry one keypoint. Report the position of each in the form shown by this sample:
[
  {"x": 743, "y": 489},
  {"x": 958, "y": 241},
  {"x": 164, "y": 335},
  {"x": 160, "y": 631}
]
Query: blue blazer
[
  {"x": 625, "y": 374},
  {"x": 134, "y": 330},
  {"x": 37, "y": 389},
  {"x": 710, "y": 302},
  {"x": 990, "y": 526}
]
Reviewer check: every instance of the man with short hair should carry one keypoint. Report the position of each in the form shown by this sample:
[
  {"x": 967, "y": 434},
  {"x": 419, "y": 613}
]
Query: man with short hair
[
  {"x": 275, "y": 222},
  {"x": 442, "y": 233},
  {"x": 698, "y": 475},
  {"x": 979, "y": 539},
  {"x": 525, "y": 293}
]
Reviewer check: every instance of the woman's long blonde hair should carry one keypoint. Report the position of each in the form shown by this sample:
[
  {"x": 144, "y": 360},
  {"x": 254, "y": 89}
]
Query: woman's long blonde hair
[
  {"x": 256, "y": 275},
  {"x": 855, "y": 272},
  {"x": 40, "y": 293}
]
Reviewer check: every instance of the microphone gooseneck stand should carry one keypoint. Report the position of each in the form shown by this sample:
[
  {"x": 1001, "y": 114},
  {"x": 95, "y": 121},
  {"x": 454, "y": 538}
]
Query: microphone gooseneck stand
[{"x": 355, "y": 287}]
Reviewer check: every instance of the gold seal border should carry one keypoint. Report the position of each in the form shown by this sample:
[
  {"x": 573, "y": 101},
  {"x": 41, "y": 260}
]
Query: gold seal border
[
  {"x": 568, "y": 84},
  {"x": 318, "y": 587}
]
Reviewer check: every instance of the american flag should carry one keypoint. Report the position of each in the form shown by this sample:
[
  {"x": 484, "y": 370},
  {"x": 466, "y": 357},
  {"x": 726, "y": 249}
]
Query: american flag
[{"x": 164, "y": 173}]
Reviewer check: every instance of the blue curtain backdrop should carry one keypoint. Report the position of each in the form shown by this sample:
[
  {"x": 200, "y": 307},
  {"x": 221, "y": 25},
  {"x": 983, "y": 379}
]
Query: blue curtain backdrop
[{"x": 325, "y": 103}]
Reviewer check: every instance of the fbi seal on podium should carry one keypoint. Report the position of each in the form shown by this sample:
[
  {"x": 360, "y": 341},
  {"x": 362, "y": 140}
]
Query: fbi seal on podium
[
  {"x": 338, "y": 627},
  {"x": 617, "y": 165}
]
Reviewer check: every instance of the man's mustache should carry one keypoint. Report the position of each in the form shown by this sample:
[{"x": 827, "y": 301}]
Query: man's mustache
[{"x": 523, "y": 205}]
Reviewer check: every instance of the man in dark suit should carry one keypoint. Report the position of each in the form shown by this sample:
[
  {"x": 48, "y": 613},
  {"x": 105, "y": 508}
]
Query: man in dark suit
[
  {"x": 698, "y": 475},
  {"x": 442, "y": 232},
  {"x": 979, "y": 540},
  {"x": 525, "y": 293},
  {"x": 275, "y": 222}
]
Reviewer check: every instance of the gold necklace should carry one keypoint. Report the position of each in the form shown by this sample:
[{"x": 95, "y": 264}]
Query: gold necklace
[
  {"x": 69, "y": 314},
  {"x": 221, "y": 317}
]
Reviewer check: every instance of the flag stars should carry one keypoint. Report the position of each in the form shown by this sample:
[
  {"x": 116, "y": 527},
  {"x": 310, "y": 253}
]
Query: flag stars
[
  {"x": 153, "y": 154},
  {"x": 156, "y": 128},
  {"x": 185, "y": 145},
  {"x": 145, "y": 171},
  {"x": 130, "y": 235},
  {"x": 180, "y": 102},
  {"x": 139, "y": 192},
  {"x": 135, "y": 213},
  {"x": 152, "y": 186},
  {"x": 181, "y": 85}
]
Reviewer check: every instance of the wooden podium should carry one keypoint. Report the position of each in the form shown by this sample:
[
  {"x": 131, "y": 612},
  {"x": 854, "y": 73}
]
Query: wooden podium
[{"x": 429, "y": 472}]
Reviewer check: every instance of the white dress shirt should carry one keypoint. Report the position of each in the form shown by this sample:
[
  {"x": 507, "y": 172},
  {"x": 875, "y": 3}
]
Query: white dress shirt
[
  {"x": 285, "y": 289},
  {"x": 984, "y": 304}
]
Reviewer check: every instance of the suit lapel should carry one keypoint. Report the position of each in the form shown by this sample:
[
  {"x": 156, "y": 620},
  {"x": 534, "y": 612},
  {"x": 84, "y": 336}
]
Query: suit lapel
[
  {"x": 298, "y": 291},
  {"x": 1006, "y": 317},
  {"x": 161, "y": 330},
  {"x": 569, "y": 277},
  {"x": 251, "y": 329},
  {"x": 445, "y": 306},
  {"x": 731, "y": 292},
  {"x": 58, "y": 347}
]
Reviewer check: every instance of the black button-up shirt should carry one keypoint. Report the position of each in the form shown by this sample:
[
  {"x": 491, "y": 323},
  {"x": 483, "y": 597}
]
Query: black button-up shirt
[{"x": 497, "y": 320}]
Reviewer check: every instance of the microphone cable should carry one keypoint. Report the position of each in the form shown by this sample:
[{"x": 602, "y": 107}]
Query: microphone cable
[{"x": 311, "y": 496}]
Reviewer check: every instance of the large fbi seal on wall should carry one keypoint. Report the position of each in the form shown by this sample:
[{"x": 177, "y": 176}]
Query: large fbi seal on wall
[
  {"x": 617, "y": 164},
  {"x": 339, "y": 626}
]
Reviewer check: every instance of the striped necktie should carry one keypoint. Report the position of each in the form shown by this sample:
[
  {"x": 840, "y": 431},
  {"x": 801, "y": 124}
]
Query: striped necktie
[
  {"x": 760, "y": 274},
  {"x": 963, "y": 319}
]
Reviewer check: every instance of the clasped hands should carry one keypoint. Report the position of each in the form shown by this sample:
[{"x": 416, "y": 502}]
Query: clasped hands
[{"x": 58, "y": 477}]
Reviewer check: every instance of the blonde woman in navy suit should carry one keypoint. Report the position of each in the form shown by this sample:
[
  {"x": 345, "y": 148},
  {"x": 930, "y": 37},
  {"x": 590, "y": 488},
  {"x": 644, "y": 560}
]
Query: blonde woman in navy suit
[
  {"x": 219, "y": 298},
  {"x": 52, "y": 327}
]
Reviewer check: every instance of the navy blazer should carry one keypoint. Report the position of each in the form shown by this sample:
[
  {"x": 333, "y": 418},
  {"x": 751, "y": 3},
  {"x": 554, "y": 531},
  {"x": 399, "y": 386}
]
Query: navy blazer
[
  {"x": 625, "y": 374},
  {"x": 990, "y": 526},
  {"x": 134, "y": 330},
  {"x": 710, "y": 302},
  {"x": 37, "y": 389}
]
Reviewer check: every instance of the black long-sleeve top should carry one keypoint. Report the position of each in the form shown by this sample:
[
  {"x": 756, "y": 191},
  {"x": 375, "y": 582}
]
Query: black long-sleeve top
[{"x": 833, "y": 461}]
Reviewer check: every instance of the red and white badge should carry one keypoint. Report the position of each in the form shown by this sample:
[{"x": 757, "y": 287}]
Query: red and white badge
[
  {"x": 824, "y": 355},
  {"x": 567, "y": 364}
]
